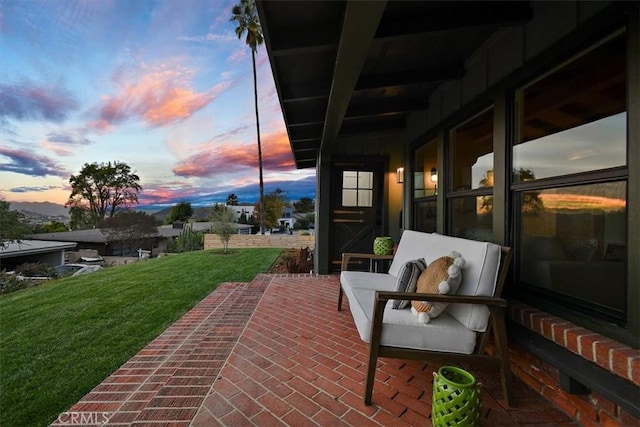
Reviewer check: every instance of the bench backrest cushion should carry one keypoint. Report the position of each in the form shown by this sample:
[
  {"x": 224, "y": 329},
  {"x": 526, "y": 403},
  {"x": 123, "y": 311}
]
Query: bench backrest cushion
[{"x": 479, "y": 275}]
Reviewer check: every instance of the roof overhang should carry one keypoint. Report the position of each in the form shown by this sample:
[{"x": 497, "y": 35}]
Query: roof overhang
[
  {"x": 30, "y": 247},
  {"x": 349, "y": 67}
]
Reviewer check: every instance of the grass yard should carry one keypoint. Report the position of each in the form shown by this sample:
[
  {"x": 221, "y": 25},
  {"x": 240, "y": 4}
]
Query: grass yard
[{"x": 61, "y": 339}]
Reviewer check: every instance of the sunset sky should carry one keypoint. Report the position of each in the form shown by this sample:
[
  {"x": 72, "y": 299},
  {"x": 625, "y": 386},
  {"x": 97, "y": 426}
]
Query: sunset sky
[{"x": 164, "y": 86}]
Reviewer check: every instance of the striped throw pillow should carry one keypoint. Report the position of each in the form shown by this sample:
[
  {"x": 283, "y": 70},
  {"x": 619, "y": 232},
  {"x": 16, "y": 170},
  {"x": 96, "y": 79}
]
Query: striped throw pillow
[{"x": 407, "y": 280}]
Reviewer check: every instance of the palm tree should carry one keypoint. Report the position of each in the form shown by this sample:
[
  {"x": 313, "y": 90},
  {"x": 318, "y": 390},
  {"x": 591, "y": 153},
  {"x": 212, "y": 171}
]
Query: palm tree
[{"x": 246, "y": 16}]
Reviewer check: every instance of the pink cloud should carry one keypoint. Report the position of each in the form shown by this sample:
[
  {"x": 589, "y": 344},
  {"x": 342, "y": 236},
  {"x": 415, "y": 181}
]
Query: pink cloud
[
  {"x": 276, "y": 155},
  {"x": 167, "y": 193},
  {"x": 102, "y": 126},
  {"x": 158, "y": 97},
  {"x": 239, "y": 54}
]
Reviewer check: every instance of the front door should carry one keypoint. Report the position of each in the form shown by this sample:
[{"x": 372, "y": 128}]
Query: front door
[{"x": 356, "y": 206}]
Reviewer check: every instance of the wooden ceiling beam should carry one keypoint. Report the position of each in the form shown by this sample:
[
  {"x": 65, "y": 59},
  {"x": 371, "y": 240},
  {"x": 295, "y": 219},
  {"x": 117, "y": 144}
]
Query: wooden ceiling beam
[
  {"x": 361, "y": 20},
  {"x": 388, "y": 107},
  {"x": 411, "y": 77},
  {"x": 444, "y": 16}
]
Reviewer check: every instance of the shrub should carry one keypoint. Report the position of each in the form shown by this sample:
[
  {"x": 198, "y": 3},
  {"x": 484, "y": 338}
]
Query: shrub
[
  {"x": 187, "y": 241},
  {"x": 301, "y": 264},
  {"x": 36, "y": 269},
  {"x": 10, "y": 283}
]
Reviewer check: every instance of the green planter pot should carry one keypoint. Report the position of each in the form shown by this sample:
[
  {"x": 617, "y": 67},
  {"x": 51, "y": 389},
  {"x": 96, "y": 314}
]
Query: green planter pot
[
  {"x": 456, "y": 398},
  {"x": 383, "y": 245}
]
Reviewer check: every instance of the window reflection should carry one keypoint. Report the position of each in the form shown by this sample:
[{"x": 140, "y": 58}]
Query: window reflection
[
  {"x": 597, "y": 145},
  {"x": 574, "y": 119},
  {"x": 472, "y": 217},
  {"x": 472, "y": 151},
  {"x": 426, "y": 216},
  {"x": 573, "y": 242},
  {"x": 426, "y": 160}
]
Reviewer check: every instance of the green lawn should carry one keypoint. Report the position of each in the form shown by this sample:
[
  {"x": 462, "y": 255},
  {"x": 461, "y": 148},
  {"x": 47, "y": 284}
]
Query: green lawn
[{"x": 61, "y": 339}]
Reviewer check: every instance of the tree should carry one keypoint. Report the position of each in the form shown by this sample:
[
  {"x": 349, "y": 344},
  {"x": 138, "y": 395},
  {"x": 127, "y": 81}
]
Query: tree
[
  {"x": 223, "y": 218},
  {"x": 51, "y": 227},
  {"x": 531, "y": 202},
  {"x": 232, "y": 200},
  {"x": 246, "y": 16},
  {"x": 274, "y": 204},
  {"x": 179, "y": 212},
  {"x": 79, "y": 218},
  {"x": 13, "y": 225},
  {"x": 304, "y": 205},
  {"x": 129, "y": 229},
  {"x": 103, "y": 189}
]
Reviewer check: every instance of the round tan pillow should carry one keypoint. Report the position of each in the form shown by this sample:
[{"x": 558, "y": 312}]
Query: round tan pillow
[{"x": 442, "y": 276}]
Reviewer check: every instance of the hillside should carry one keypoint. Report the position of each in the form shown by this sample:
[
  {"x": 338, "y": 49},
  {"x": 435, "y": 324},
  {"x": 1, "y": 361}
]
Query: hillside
[{"x": 41, "y": 208}]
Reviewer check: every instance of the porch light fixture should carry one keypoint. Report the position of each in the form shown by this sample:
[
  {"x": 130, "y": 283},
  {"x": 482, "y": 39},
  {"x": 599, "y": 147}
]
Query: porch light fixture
[
  {"x": 434, "y": 175},
  {"x": 400, "y": 175}
]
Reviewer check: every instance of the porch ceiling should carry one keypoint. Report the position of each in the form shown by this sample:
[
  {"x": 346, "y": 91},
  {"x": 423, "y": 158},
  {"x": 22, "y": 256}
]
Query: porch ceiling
[{"x": 346, "y": 67}]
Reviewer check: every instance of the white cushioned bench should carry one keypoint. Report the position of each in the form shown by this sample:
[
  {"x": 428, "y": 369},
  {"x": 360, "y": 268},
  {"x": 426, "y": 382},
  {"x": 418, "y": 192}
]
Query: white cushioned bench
[{"x": 458, "y": 333}]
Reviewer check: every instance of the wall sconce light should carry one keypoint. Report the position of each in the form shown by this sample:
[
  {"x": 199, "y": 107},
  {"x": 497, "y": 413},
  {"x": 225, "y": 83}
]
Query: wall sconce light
[
  {"x": 434, "y": 175},
  {"x": 400, "y": 175}
]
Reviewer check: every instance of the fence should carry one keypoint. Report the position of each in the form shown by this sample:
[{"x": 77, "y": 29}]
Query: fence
[{"x": 293, "y": 241}]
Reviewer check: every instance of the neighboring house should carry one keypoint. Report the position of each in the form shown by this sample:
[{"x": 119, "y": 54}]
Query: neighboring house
[
  {"x": 287, "y": 220},
  {"x": 46, "y": 252},
  {"x": 96, "y": 240},
  {"x": 515, "y": 122},
  {"x": 239, "y": 210}
]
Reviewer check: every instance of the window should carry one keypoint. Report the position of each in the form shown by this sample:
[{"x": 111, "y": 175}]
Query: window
[
  {"x": 470, "y": 201},
  {"x": 357, "y": 189},
  {"x": 425, "y": 176},
  {"x": 570, "y": 184},
  {"x": 425, "y": 187}
]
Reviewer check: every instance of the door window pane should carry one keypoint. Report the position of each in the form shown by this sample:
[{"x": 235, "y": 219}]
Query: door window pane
[
  {"x": 349, "y": 197},
  {"x": 573, "y": 242},
  {"x": 349, "y": 179},
  {"x": 357, "y": 189}
]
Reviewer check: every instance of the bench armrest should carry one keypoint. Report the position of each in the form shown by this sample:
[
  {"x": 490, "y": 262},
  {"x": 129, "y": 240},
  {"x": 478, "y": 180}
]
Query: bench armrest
[
  {"x": 346, "y": 257},
  {"x": 384, "y": 296}
]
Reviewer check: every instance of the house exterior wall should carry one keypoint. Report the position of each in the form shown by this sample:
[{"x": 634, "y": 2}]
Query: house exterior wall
[
  {"x": 520, "y": 53},
  {"x": 506, "y": 52}
]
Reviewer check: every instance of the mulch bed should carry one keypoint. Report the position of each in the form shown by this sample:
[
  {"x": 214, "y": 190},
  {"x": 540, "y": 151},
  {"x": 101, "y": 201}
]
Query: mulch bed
[{"x": 280, "y": 266}]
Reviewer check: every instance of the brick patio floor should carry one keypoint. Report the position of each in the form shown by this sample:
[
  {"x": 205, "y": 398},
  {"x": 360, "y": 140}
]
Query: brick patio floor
[{"x": 275, "y": 352}]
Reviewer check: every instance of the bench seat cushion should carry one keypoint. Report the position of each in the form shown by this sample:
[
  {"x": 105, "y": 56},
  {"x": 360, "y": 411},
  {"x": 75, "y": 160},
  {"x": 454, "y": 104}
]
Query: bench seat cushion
[
  {"x": 366, "y": 280},
  {"x": 403, "y": 329}
]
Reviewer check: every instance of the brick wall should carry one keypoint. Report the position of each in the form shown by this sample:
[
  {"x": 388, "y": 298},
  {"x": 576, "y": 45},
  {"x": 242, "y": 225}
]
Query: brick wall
[
  {"x": 591, "y": 409},
  {"x": 293, "y": 241}
]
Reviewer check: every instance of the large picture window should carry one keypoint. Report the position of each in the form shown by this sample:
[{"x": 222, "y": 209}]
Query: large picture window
[
  {"x": 570, "y": 183},
  {"x": 470, "y": 199}
]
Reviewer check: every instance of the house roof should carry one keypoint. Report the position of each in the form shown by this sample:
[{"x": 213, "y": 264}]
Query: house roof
[
  {"x": 93, "y": 235},
  {"x": 28, "y": 247},
  {"x": 346, "y": 67}
]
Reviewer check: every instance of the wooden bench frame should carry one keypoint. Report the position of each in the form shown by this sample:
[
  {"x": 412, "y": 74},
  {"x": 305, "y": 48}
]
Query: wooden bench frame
[{"x": 496, "y": 328}]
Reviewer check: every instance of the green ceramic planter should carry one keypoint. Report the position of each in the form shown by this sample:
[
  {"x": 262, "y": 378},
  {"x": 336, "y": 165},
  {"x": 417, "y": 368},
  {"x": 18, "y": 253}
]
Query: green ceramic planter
[
  {"x": 456, "y": 398},
  {"x": 383, "y": 245}
]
